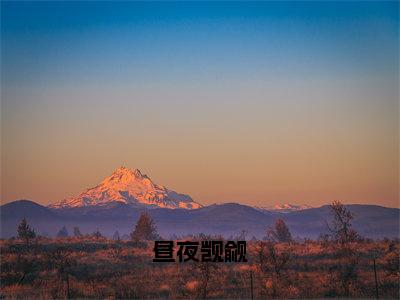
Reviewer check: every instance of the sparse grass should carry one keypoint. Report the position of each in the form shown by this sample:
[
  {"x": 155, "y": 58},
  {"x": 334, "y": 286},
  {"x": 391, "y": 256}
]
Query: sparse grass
[{"x": 88, "y": 268}]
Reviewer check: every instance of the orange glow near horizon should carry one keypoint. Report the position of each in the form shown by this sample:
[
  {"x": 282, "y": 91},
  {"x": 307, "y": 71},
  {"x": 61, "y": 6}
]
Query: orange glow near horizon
[{"x": 260, "y": 155}]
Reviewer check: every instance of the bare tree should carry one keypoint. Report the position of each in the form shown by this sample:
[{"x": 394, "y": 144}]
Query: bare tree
[
  {"x": 25, "y": 232},
  {"x": 77, "y": 232},
  {"x": 340, "y": 228},
  {"x": 116, "y": 236},
  {"x": 97, "y": 234},
  {"x": 272, "y": 264},
  {"x": 208, "y": 272},
  {"x": 61, "y": 260},
  {"x": 343, "y": 236},
  {"x": 62, "y": 233}
]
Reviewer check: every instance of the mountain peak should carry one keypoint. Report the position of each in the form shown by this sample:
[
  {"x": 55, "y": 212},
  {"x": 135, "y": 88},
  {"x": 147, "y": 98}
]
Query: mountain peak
[
  {"x": 123, "y": 169},
  {"x": 129, "y": 187},
  {"x": 123, "y": 173}
]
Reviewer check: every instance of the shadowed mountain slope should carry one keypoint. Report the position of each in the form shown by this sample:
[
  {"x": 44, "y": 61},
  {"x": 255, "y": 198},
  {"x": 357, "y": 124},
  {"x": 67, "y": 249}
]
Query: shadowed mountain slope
[{"x": 227, "y": 219}]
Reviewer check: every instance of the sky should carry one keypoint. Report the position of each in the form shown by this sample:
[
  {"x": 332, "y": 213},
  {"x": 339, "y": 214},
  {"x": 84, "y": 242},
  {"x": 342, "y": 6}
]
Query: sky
[{"x": 258, "y": 103}]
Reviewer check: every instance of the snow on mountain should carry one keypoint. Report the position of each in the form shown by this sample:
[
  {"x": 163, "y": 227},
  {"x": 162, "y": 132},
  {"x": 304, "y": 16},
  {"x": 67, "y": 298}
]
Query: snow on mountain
[
  {"x": 129, "y": 187},
  {"x": 291, "y": 207},
  {"x": 283, "y": 208}
]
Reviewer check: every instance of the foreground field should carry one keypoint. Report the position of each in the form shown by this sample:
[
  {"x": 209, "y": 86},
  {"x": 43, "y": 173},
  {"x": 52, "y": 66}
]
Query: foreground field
[{"x": 101, "y": 268}]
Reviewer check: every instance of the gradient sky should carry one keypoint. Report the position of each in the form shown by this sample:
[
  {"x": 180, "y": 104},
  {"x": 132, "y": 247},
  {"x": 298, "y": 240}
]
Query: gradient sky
[{"x": 258, "y": 103}]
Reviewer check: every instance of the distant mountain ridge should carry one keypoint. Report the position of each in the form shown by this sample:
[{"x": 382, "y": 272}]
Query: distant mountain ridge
[
  {"x": 283, "y": 208},
  {"x": 129, "y": 187},
  {"x": 228, "y": 219},
  {"x": 117, "y": 202}
]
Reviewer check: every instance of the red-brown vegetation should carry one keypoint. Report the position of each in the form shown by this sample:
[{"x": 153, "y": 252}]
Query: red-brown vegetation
[{"x": 90, "y": 267}]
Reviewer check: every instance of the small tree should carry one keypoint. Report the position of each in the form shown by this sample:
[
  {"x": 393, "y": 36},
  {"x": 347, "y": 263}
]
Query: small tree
[
  {"x": 341, "y": 228},
  {"x": 97, "y": 234},
  {"x": 116, "y": 236},
  {"x": 62, "y": 233},
  {"x": 206, "y": 275},
  {"x": 145, "y": 229},
  {"x": 77, "y": 232},
  {"x": 62, "y": 261},
  {"x": 25, "y": 232},
  {"x": 272, "y": 262},
  {"x": 280, "y": 232},
  {"x": 343, "y": 235}
]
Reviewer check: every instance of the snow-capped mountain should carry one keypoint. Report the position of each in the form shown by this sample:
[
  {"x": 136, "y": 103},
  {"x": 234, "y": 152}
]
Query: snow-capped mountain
[
  {"x": 283, "y": 208},
  {"x": 129, "y": 187}
]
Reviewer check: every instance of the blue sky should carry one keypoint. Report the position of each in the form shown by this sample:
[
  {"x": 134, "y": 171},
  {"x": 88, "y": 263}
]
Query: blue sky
[
  {"x": 109, "y": 41},
  {"x": 301, "y": 95}
]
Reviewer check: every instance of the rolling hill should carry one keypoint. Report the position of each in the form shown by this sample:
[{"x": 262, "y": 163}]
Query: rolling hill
[{"x": 227, "y": 219}]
